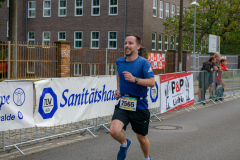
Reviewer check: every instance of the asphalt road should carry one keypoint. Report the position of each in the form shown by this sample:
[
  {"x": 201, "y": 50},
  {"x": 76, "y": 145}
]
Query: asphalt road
[{"x": 211, "y": 133}]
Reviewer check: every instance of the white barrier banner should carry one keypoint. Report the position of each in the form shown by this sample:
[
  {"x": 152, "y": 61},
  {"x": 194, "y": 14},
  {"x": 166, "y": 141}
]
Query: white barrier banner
[
  {"x": 154, "y": 94},
  {"x": 16, "y": 105},
  {"x": 65, "y": 100},
  {"x": 176, "y": 91}
]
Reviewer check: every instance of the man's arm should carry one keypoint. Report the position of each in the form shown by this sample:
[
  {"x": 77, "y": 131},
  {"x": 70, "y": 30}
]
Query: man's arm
[{"x": 149, "y": 82}]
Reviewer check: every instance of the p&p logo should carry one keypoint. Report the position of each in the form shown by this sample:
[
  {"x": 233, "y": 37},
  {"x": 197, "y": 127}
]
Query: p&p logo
[{"x": 48, "y": 103}]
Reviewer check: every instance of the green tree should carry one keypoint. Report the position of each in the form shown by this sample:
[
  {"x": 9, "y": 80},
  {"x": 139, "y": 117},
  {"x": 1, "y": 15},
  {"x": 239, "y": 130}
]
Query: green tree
[{"x": 217, "y": 17}]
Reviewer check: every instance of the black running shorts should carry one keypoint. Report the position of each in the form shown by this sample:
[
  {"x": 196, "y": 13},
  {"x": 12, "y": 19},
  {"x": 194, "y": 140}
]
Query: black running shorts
[{"x": 139, "y": 119}]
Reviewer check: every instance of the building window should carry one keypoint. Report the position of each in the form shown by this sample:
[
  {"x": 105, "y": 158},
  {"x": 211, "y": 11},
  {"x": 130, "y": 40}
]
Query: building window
[
  {"x": 153, "y": 41},
  {"x": 161, "y": 9},
  {"x": 154, "y": 8},
  {"x": 62, "y": 36},
  {"x": 30, "y": 67},
  {"x": 173, "y": 11},
  {"x": 7, "y": 28},
  {"x": 95, "y": 39},
  {"x": 172, "y": 42},
  {"x": 112, "y": 69},
  {"x": 46, "y": 38},
  {"x": 46, "y": 8},
  {"x": 166, "y": 43},
  {"x": 167, "y": 10},
  {"x": 31, "y": 38},
  {"x": 77, "y": 39},
  {"x": 160, "y": 42},
  {"x": 62, "y": 10},
  {"x": 113, "y": 7},
  {"x": 77, "y": 69},
  {"x": 78, "y": 7},
  {"x": 94, "y": 69},
  {"x": 112, "y": 40},
  {"x": 31, "y": 9},
  {"x": 95, "y": 7}
]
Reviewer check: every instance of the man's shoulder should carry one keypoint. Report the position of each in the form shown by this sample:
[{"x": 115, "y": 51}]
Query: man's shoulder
[
  {"x": 140, "y": 58},
  {"x": 121, "y": 59}
]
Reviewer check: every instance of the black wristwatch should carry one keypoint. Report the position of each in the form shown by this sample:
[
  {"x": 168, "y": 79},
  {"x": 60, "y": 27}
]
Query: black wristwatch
[{"x": 136, "y": 80}]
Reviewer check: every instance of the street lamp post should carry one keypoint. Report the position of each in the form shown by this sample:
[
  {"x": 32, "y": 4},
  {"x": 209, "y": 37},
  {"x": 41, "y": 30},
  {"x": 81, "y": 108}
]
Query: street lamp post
[{"x": 194, "y": 54}]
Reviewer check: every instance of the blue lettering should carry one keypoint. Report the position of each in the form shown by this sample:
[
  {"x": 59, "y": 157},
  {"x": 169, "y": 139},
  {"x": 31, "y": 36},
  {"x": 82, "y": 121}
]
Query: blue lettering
[
  {"x": 82, "y": 96},
  {"x": 91, "y": 96},
  {"x": 104, "y": 94},
  {"x": 109, "y": 95},
  {"x": 96, "y": 93},
  {"x": 64, "y": 97},
  {"x": 86, "y": 97},
  {"x": 77, "y": 99},
  {"x": 4, "y": 100},
  {"x": 7, "y": 117},
  {"x": 99, "y": 96},
  {"x": 70, "y": 100}
]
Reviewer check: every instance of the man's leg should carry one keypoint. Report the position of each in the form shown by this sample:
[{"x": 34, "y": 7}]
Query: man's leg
[
  {"x": 199, "y": 94},
  {"x": 116, "y": 131},
  {"x": 211, "y": 89},
  {"x": 145, "y": 144}
]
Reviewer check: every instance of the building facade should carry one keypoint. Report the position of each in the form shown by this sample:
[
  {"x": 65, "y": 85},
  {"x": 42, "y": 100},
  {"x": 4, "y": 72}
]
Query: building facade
[{"x": 93, "y": 24}]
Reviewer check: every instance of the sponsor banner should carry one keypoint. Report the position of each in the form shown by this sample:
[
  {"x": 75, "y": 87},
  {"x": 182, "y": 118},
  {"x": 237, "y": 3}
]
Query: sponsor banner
[
  {"x": 157, "y": 60},
  {"x": 154, "y": 94},
  {"x": 176, "y": 91},
  {"x": 16, "y": 105},
  {"x": 65, "y": 100}
]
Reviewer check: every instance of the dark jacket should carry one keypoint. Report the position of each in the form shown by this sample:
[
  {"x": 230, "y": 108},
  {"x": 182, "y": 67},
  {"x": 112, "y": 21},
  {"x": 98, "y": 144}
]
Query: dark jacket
[{"x": 207, "y": 66}]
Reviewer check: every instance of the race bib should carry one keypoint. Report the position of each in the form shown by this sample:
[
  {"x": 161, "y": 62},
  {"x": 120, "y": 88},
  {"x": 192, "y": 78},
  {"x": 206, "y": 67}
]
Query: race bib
[{"x": 128, "y": 103}]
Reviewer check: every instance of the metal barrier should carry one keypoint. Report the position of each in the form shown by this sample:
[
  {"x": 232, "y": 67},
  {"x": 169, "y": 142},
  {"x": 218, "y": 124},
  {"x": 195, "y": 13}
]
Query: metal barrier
[
  {"x": 13, "y": 138},
  {"x": 230, "y": 78}
]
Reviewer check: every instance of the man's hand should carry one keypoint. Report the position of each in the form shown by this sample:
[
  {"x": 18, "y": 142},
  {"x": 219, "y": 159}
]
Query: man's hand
[
  {"x": 117, "y": 94},
  {"x": 128, "y": 76}
]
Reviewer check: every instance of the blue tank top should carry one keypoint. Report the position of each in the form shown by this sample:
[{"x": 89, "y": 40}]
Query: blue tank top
[{"x": 140, "y": 68}]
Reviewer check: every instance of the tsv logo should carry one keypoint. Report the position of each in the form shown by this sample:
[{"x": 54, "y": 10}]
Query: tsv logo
[
  {"x": 48, "y": 103},
  {"x": 154, "y": 93},
  {"x": 19, "y": 97}
]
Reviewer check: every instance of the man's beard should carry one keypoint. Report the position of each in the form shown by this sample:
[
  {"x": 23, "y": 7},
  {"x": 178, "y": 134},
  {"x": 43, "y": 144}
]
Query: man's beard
[{"x": 130, "y": 54}]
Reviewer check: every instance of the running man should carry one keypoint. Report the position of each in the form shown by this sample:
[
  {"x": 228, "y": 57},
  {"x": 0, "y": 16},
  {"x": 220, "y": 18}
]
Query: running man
[{"x": 134, "y": 75}]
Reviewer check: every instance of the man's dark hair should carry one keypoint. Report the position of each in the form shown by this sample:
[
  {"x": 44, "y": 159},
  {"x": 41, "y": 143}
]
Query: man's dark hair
[
  {"x": 138, "y": 39},
  {"x": 223, "y": 60},
  {"x": 211, "y": 58}
]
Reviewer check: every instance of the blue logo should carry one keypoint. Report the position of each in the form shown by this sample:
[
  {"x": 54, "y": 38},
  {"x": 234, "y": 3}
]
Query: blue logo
[
  {"x": 19, "y": 97},
  {"x": 48, "y": 103},
  {"x": 20, "y": 115},
  {"x": 154, "y": 93}
]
